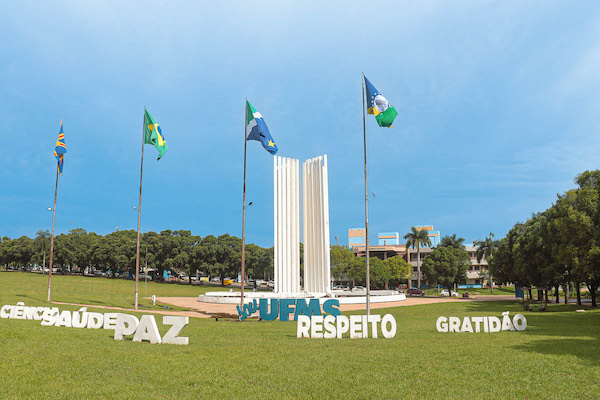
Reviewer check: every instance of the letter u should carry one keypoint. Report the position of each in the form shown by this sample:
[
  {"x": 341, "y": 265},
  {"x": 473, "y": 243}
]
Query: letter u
[{"x": 273, "y": 313}]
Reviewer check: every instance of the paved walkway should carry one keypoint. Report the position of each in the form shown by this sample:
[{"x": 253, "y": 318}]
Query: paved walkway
[
  {"x": 196, "y": 314},
  {"x": 211, "y": 310}
]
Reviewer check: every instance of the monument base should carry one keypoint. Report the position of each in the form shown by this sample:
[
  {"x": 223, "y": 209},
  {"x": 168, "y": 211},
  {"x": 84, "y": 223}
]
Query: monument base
[{"x": 344, "y": 297}]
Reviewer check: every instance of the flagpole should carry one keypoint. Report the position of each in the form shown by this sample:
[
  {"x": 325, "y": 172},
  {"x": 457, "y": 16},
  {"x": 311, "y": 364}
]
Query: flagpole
[
  {"x": 52, "y": 235},
  {"x": 368, "y": 278},
  {"x": 244, "y": 208},
  {"x": 137, "y": 251}
]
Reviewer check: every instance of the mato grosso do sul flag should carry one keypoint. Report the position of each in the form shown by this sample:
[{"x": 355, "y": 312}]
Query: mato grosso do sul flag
[
  {"x": 153, "y": 135},
  {"x": 256, "y": 129},
  {"x": 60, "y": 149},
  {"x": 379, "y": 106}
]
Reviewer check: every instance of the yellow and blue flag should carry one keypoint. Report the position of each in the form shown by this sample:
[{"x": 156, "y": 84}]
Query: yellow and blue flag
[
  {"x": 256, "y": 129},
  {"x": 60, "y": 149},
  {"x": 153, "y": 135}
]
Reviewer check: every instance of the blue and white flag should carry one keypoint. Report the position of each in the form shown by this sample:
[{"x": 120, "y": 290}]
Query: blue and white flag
[{"x": 256, "y": 129}]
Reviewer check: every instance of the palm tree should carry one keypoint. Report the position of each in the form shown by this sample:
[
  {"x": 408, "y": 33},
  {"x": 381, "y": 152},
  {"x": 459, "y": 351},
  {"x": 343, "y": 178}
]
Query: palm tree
[
  {"x": 485, "y": 250},
  {"x": 41, "y": 239},
  {"x": 453, "y": 241},
  {"x": 415, "y": 239}
]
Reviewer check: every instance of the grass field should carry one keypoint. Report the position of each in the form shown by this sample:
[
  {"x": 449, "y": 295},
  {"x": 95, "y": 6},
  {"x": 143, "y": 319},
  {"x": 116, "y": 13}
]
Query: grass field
[
  {"x": 94, "y": 290},
  {"x": 484, "y": 291},
  {"x": 558, "y": 356}
]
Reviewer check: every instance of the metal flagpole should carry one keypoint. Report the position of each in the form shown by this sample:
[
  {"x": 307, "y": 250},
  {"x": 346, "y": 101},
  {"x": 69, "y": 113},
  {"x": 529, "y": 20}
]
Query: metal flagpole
[
  {"x": 366, "y": 201},
  {"x": 52, "y": 235},
  {"x": 137, "y": 251},
  {"x": 244, "y": 207},
  {"x": 146, "y": 273}
]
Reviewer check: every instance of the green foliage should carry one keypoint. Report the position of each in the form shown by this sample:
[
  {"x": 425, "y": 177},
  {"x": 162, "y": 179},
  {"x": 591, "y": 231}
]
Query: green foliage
[
  {"x": 381, "y": 272},
  {"x": 179, "y": 251},
  {"x": 559, "y": 245},
  {"x": 447, "y": 266},
  {"x": 417, "y": 238},
  {"x": 340, "y": 258},
  {"x": 452, "y": 241},
  {"x": 400, "y": 270}
]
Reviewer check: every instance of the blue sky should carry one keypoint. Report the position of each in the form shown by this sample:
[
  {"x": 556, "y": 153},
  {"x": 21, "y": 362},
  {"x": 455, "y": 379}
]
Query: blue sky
[{"x": 498, "y": 110}]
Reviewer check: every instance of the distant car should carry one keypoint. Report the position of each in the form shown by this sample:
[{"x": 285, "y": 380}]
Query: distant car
[
  {"x": 216, "y": 279},
  {"x": 271, "y": 284},
  {"x": 338, "y": 287},
  {"x": 444, "y": 293},
  {"x": 359, "y": 289},
  {"x": 415, "y": 292},
  {"x": 260, "y": 282}
]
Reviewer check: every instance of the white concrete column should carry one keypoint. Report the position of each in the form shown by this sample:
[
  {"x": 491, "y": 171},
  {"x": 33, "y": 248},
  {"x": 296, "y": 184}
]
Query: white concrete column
[
  {"x": 317, "y": 270},
  {"x": 286, "y": 225}
]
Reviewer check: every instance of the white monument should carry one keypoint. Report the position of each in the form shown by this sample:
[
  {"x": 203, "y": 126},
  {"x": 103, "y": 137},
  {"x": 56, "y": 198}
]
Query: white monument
[
  {"x": 317, "y": 270},
  {"x": 315, "y": 235},
  {"x": 286, "y": 198}
]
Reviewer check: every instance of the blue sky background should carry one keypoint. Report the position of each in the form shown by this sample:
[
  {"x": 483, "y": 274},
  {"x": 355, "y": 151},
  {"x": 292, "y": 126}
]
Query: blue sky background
[{"x": 498, "y": 110}]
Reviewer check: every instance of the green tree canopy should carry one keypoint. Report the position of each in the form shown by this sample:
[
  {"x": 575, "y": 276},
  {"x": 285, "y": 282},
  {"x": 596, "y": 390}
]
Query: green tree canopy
[{"x": 447, "y": 266}]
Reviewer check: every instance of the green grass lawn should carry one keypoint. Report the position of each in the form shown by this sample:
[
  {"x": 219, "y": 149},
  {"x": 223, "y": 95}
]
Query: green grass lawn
[
  {"x": 483, "y": 291},
  {"x": 93, "y": 290},
  {"x": 558, "y": 356}
]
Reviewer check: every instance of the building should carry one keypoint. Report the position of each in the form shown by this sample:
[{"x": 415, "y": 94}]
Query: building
[
  {"x": 434, "y": 236},
  {"x": 389, "y": 246},
  {"x": 391, "y": 238}
]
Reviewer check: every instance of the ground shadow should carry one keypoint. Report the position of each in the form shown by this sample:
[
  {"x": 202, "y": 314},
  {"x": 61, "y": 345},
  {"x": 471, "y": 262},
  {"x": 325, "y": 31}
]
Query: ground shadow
[
  {"x": 559, "y": 331},
  {"x": 585, "y": 349}
]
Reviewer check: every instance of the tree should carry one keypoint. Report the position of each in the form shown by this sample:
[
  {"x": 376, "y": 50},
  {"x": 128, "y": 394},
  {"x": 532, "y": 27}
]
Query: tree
[
  {"x": 259, "y": 262},
  {"x": 485, "y": 250},
  {"x": 42, "y": 243},
  {"x": 452, "y": 241},
  {"x": 19, "y": 251},
  {"x": 447, "y": 266},
  {"x": 400, "y": 269},
  {"x": 379, "y": 273},
  {"x": 340, "y": 259},
  {"x": 417, "y": 238},
  {"x": 81, "y": 246}
]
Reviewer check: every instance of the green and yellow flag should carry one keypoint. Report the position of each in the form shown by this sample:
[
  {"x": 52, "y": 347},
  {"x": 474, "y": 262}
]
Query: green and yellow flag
[
  {"x": 379, "y": 106},
  {"x": 153, "y": 135}
]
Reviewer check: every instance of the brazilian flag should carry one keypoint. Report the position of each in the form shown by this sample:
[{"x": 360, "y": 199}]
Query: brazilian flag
[
  {"x": 153, "y": 134},
  {"x": 379, "y": 106}
]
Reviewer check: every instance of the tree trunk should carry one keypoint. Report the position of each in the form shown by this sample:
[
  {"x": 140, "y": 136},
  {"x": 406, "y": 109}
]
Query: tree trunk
[
  {"x": 556, "y": 298},
  {"x": 578, "y": 289},
  {"x": 566, "y": 289},
  {"x": 418, "y": 268},
  {"x": 592, "y": 288},
  {"x": 530, "y": 295},
  {"x": 491, "y": 281},
  {"x": 539, "y": 295}
]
